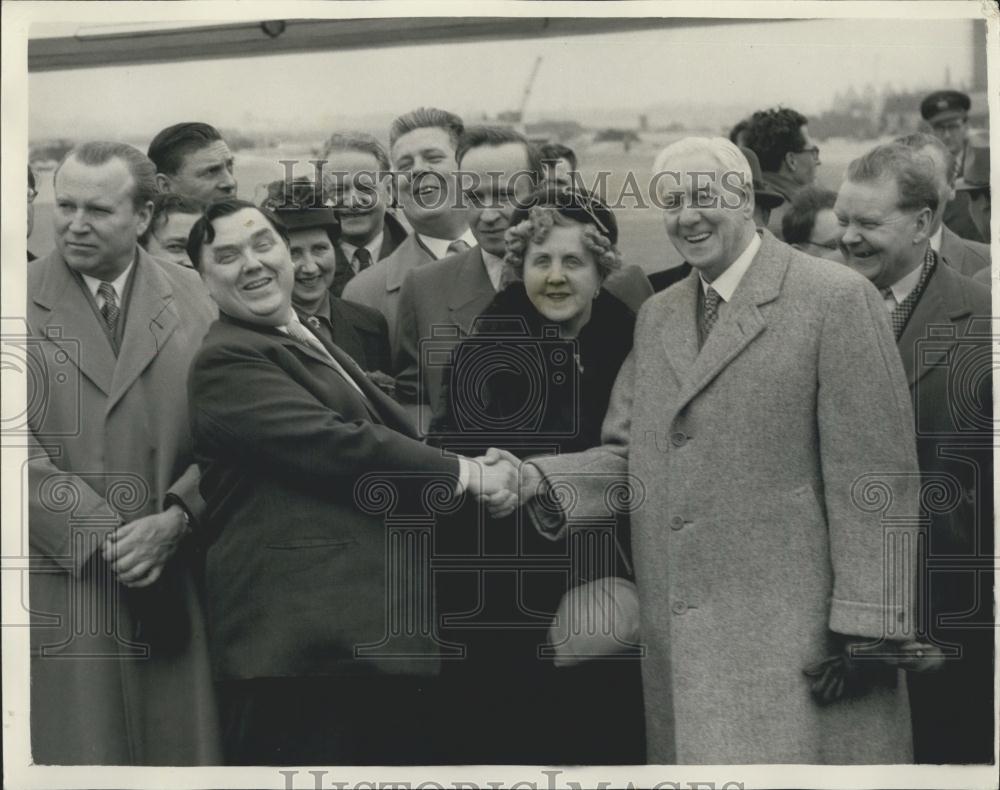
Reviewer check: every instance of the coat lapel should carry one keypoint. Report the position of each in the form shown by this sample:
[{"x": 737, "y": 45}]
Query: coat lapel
[
  {"x": 680, "y": 330},
  {"x": 72, "y": 325},
  {"x": 940, "y": 301},
  {"x": 740, "y": 323},
  {"x": 408, "y": 255},
  {"x": 472, "y": 290},
  {"x": 150, "y": 321}
]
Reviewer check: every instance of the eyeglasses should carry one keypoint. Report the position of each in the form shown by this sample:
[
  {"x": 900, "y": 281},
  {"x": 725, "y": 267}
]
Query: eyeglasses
[
  {"x": 814, "y": 150},
  {"x": 32, "y": 194}
]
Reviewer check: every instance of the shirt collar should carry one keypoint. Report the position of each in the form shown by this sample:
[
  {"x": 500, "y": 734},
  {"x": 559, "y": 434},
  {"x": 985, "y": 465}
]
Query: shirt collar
[
  {"x": 936, "y": 239},
  {"x": 374, "y": 247},
  {"x": 725, "y": 284},
  {"x": 439, "y": 247},
  {"x": 903, "y": 287},
  {"x": 118, "y": 283}
]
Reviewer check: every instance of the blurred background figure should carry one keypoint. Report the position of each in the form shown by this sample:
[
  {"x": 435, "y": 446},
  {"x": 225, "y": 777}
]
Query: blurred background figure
[
  {"x": 975, "y": 182},
  {"x": 738, "y": 134},
  {"x": 966, "y": 256},
  {"x": 789, "y": 158},
  {"x": 562, "y": 249},
  {"x": 811, "y": 225},
  {"x": 167, "y": 235},
  {"x": 559, "y": 163},
  {"x": 357, "y": 184},
  {"x": 313, "y": 234},
  {"x": 32, "y": 194},
  {"x": 947, "y": 114},
  {"x": 192, "y": 159}
]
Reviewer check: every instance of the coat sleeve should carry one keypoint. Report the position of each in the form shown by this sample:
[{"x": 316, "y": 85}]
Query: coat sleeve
[
  {"x": 587, "y": 484},
  {"x": 62, "y": 508},
  {"x": 871, "y": 478},
  {"x": 246, "y": 406}
]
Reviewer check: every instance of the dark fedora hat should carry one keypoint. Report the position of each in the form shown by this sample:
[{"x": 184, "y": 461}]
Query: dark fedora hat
[
  {"x": 761, "y": 194},
  {"x": 576, "y": 204}
]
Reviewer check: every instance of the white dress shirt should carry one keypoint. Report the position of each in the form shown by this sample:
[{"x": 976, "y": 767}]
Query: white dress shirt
[
  {"x": 494, "y": 268},
  {"x": 725, "y": 284},
  {"x": 439, "y": 247},
  {"x": 936, "y": 239},
  {"x": 118, "y": 284},
  {"x": 902, "y": 288}
]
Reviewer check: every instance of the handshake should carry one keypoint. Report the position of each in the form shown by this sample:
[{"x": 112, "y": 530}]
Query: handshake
[{"x": 502, "y": 481}]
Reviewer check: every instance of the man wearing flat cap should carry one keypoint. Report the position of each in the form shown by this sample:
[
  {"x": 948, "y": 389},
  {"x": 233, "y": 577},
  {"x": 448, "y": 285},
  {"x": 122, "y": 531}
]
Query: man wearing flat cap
[{"x": 947, "y": 114}]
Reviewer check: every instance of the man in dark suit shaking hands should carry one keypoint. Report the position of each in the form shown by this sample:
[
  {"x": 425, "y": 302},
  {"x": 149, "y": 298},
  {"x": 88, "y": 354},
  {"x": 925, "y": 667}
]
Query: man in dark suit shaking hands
[{"x": 299, "y": 577}]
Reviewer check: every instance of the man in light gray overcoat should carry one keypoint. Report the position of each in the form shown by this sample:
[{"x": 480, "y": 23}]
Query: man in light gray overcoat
[{"x": 764, "y": 424}]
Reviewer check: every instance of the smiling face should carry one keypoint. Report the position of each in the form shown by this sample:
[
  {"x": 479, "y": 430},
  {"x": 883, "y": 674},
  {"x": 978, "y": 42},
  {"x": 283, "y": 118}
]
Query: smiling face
[
  {"x": 358, "y": 194},
  {"x": 880, "y": 241},
  {"x": 427, "y": 188},
  {"x": 315, "y": 264},
  {"x": 493, "y": 199},
  {"x": 206, "y": 174},
  {"x": 561, "y": 277},
  {"x": 97, "y": 225},
  {"x": 702, "y": 217},
  {"x": 168, "y": 238},
  {"x": 248, "y": 270}
]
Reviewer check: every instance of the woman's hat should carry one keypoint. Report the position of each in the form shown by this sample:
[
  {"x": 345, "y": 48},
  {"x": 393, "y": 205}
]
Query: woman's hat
[
  {"x": 576, "y": 204},
  {"x": 299, "y": 205}
]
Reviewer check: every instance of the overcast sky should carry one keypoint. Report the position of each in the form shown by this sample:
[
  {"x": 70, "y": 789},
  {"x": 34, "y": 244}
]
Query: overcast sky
[{"x": 799, "y": 63}]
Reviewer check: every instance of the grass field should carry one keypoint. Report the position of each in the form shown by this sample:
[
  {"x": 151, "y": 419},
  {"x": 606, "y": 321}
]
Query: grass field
[{"x": 642, "y": 238}]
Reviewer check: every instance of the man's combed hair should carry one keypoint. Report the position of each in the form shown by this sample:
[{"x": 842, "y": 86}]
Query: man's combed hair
[
  {"x": 553, "y": 152},
  {"x": 358, "y": 141},
  {"x": 798, "y": 222},
  {"x": 170, "y": 146},
  {"x": 492, "y": 136},
  {"x": 921, "y": 140},
  {"x": 202, "y": 232},
  {"x": 773, "y": 133},
  {"x": 427, "y": 118},
  {"x": 164, "y": 205},
  {"x": 101, "y": 152},
  {"x": 916, "y": 181}
]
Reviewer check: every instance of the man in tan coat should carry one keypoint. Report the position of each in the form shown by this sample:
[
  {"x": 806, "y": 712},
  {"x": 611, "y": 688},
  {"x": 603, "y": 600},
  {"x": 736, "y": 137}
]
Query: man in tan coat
[
  {"x": 762, "y": 425},
  {"x": 119, "y": 671}
]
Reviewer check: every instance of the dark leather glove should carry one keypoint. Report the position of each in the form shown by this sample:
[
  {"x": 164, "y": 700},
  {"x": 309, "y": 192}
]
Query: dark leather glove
[{"x": 857, "y": 666}]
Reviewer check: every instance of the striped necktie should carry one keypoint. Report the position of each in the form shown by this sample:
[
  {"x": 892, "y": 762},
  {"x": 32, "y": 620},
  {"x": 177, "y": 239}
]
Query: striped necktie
[
  {"x": 110, "y": 310},
  {"x": 298, "y": 332}
]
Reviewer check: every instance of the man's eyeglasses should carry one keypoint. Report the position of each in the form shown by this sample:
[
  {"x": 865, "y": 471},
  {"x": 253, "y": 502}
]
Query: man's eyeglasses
[{"x": 813, "y": 149}]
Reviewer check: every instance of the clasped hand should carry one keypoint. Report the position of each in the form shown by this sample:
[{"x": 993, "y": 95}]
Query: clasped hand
[{"x": 502, "y": 481}]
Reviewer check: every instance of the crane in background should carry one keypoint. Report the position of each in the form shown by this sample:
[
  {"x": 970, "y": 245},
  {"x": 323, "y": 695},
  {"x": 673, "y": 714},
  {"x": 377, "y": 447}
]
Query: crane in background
[{"x": 516, "y": 117}]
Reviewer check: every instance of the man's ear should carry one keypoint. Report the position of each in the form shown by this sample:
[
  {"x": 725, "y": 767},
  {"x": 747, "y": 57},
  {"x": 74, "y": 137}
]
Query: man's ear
[
  {"x": 791, "y": 162},
  {"x": 163, "y": 182},
  {"x": 923, "y": 220},
  {"x": 145, "y": 215}
]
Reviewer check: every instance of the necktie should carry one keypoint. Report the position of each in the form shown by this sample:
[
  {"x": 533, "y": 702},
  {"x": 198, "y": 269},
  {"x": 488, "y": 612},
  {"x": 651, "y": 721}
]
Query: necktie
[
  {"x": 900, "y": 315},
  {"x": 362, "y": 258},
  {"x": 298, "y": 332},
  {"x": 458, "y": 245},
  {"x": 709, "y": 312},
  {"x": 889, "y": 297},
  {"x": 109, "y": 310}
]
